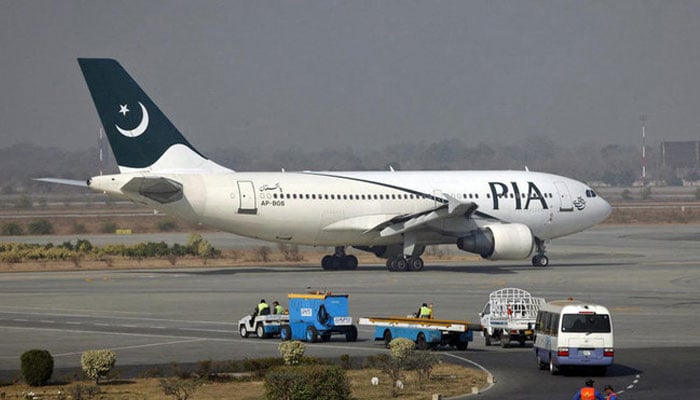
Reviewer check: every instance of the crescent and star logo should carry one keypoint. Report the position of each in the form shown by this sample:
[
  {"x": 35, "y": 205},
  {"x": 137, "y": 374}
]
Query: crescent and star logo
[{"x": 142, "y": 126}]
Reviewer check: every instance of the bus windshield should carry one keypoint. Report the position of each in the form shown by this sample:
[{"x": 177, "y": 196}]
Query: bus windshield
[{"x": 584, "y": 323}]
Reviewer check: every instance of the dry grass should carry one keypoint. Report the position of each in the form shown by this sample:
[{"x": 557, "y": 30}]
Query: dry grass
[{"x": 447, "y": 379}]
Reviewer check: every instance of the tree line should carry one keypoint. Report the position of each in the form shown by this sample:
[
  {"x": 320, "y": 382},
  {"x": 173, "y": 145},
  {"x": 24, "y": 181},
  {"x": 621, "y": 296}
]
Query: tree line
[{"x": 613, "y": 164}]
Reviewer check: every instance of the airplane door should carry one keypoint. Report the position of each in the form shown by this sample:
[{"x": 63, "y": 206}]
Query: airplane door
[
  {"x": 565, "y": 203},
  {"x": 246, "y": 193}
]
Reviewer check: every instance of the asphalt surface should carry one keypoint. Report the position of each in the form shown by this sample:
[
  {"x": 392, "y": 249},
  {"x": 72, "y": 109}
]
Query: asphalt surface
[{"x": 647, "y": 276}]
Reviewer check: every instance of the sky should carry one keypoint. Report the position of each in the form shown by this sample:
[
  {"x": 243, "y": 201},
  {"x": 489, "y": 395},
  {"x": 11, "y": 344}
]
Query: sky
[{"x": 360, "y": 74}]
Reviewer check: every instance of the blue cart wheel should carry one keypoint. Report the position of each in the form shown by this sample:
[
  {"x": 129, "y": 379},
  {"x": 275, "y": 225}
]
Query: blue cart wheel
[
  {"x": 311, "y": 334},
  {"x": 285, "y": 333}
]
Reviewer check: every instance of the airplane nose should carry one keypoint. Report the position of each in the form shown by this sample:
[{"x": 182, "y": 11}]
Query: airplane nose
[{"x": 605, "y": 210}]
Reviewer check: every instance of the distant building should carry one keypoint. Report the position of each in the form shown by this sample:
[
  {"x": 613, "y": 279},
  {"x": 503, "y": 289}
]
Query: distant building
[{"x": 684, "y": 155}]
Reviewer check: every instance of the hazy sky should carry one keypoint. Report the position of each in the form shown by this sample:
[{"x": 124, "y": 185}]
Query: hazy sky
[{"x": 355, "y": 74}]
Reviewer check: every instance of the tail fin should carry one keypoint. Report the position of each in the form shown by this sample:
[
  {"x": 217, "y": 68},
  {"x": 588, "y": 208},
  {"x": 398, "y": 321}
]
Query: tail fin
[{"x": 141, "y": 136}]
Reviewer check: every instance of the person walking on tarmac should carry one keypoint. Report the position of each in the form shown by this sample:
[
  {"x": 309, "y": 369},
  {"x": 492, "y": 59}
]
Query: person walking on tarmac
[
  {"x": 262, "y": 309},
  {"x": 588, "y": 392},
  {"x": 277, "y": 308},
  {"x": 424, "y": 311},
  {"x": 610, "y": 393}
]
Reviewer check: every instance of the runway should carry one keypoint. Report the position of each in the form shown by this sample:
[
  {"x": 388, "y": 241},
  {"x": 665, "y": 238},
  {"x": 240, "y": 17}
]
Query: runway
[{"x": 647, "y": 275}]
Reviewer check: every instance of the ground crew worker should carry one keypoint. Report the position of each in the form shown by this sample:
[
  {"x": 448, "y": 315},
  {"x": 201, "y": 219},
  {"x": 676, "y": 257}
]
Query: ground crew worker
[
  {"x": 588, "y": 392},
  {"x": 277, "y": 308},
  {"x": 424, "y": 311},
  {"x": 262, "y": 309},
  {"x": 611, "y": 395}
]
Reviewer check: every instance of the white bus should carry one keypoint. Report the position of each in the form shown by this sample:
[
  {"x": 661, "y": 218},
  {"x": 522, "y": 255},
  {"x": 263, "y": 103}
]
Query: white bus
[{"x": 573, "y": 334}]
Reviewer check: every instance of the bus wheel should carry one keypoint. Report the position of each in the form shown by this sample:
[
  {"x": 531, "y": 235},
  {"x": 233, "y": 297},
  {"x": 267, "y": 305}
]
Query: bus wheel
[{"x": 541, "y": 365}]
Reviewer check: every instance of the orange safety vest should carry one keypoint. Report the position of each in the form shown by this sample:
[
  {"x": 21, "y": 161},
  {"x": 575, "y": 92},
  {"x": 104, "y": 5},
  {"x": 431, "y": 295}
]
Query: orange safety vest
[{"x": 588, "y": 393}]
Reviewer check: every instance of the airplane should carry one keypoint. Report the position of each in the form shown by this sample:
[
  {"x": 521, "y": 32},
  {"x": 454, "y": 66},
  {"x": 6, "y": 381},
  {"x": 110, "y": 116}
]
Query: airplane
[{"x": 499, "y": 215}]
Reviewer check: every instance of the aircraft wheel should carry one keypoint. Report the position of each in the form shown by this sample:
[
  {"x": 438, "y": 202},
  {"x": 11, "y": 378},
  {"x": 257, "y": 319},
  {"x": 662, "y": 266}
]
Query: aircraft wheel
[
  {"x": 350, "y": 262},
  {"x": 540, "y": 261},
  {"x": 391, "y": 264},
  {"x": 416, "y": 264},
  {"x": 326, "y": 262},
  {"x": 401, "y": 264},
  {"x": 243, "y": 331}
]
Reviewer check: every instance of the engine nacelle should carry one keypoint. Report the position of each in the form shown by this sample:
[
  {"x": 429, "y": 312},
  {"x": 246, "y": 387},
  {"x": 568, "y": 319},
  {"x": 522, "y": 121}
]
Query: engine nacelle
[{"x": 499, "y": 242}]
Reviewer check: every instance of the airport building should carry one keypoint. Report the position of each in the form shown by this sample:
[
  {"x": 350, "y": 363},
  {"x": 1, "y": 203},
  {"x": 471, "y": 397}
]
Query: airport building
[{"x": 683, "y": 158}]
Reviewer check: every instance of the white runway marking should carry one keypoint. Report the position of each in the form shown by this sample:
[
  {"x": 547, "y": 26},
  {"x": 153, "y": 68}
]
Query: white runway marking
[{"x": 139, "y": 346}]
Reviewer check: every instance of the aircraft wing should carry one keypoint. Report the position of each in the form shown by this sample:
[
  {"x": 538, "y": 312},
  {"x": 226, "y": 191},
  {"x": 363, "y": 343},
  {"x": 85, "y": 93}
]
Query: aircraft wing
[
  {"x": 395, "y": 224},
  {"x": 453, "y": 208}
]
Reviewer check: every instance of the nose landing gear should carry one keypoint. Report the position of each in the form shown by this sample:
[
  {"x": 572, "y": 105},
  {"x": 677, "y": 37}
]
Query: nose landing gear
[{"x": 540, "y": 259}]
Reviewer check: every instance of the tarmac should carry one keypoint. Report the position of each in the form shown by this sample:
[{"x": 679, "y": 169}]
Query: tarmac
[{"x": 647, "y": 276}]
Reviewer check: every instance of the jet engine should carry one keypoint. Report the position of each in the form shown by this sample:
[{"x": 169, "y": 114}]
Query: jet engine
[{"x": 499, "y": 242}]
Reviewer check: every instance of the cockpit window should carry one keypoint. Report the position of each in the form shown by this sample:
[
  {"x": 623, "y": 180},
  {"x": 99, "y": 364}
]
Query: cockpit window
[{"x": 590, "y": 193}]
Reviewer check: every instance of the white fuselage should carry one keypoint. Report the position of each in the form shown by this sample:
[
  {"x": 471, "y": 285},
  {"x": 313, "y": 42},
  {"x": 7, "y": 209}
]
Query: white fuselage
[{"x": 342, "y": 208}]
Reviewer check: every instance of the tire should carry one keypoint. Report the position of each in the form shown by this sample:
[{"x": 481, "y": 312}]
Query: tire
[
  {"x": 311, "y": 334},
  {"x": 326, "y": 262},
  {"x": 351, "y": 334},
  {"x": 552, "y": 368},
  {"x": 462, "y": 345},
  {"x": 387, "y": 338},
  {"x": 401, "y": 264},
  {"x": 541, "y": 365},
  {"x": 416, "y": 264},
  {"x": 285, "y": 333},
  {"x": 487, "y": 338},
  {"x": 260, "y": 331},
  {"x": 350, "y": 262},
  {"x": 392, "y": 264},
  {"x": 540, "y": 261},
  {"x": 421, "y": 343},
  {"x": 389, "y": 267},
  {"x": 243, "y": 331}
]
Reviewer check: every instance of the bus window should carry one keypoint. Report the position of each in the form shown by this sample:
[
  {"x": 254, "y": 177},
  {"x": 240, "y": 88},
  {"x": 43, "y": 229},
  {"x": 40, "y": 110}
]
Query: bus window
[{"x": 583, "y": 323}]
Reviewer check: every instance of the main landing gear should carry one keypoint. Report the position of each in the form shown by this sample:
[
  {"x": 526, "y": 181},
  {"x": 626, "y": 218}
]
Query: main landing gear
[
  {"x": 339, "y": 260},
  {"x": 400, "y": 263},
  {"x": 540, "y": 260}
]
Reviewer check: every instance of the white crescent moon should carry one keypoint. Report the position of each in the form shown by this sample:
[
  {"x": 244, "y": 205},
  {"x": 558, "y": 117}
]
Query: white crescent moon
[{"x": 140, "y": 129}]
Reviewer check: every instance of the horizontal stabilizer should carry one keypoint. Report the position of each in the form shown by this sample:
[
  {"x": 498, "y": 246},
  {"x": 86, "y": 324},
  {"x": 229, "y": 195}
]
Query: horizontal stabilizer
[{"x": 71, "y": 182}]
